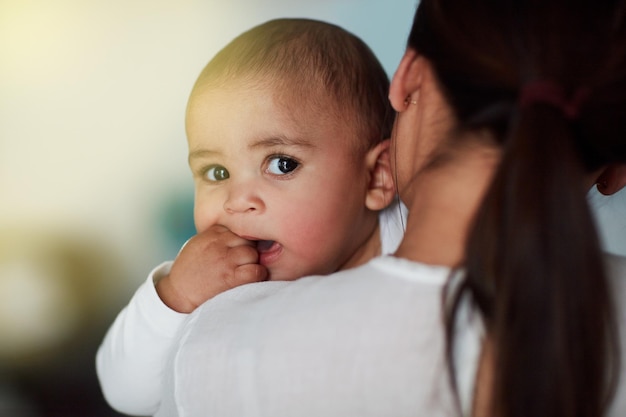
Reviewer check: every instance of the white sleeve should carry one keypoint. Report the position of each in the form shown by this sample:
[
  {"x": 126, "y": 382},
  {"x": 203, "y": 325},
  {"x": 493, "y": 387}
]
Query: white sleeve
[{"x": 131, "y": 359}]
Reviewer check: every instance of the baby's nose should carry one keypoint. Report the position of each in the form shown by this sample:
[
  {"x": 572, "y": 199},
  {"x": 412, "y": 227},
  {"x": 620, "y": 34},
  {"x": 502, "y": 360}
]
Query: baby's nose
[{"x": 243, "y": 199}]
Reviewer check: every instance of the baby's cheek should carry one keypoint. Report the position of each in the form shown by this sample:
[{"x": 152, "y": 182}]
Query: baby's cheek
[
  {"x": 314, "y": 243},
  {"x": 304, "y": 232},
  {"x": 198, "y": 220},
  {"x": 202, "y": 218}
]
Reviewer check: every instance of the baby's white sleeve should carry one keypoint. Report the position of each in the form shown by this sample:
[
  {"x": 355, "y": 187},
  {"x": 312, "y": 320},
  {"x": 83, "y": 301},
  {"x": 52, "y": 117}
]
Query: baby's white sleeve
[{"x": 131, "y": 359}]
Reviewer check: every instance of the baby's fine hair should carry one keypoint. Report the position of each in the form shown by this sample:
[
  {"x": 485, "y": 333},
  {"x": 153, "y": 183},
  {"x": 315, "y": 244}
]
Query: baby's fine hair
[{"x": 318, "y": 66}]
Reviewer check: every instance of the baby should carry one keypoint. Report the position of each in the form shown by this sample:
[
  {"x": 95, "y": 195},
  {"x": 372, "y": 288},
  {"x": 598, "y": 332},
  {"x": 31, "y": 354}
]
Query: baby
[{"x": 287, "y": 130}]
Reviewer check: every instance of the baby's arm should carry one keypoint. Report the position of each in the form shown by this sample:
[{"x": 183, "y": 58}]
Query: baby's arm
[
  {"x": 134, "y": 352},
  {"x": 132, "y": 356}
]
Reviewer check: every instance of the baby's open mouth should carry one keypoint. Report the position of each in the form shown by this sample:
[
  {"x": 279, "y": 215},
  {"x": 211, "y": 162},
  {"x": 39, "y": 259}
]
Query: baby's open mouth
[
  {"x": 264, "y": 245},
  {"x": 269, "y": 251}
]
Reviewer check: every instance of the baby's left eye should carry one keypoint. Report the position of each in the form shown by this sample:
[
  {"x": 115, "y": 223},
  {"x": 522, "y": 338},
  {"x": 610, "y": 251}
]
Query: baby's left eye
[{"x": 281, "y": 165}]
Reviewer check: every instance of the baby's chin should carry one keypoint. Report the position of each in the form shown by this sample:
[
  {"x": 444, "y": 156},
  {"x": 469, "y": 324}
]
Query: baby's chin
[
  {"x": 280, "y": 274},
  {"x": 283, "y": 276},
  {"x": 279, "y": 278}
]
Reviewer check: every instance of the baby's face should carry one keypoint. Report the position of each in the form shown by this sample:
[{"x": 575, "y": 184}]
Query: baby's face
[{"x": 290, "y": 181}]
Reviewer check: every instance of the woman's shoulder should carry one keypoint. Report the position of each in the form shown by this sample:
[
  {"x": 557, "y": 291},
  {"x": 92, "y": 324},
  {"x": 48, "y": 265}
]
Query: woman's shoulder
[
  {"x": 385, "y": 290},
  {"x": 342, "y": 331},
  {"x": 379, "y": 274},
  {"x": 385, "y": 278}
]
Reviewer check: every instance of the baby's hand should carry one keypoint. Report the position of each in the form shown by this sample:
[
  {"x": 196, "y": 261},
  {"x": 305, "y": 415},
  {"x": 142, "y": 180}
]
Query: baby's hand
[{"x": 210, "y": 263}]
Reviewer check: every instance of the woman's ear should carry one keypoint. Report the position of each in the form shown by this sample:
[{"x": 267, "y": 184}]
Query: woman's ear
[
  {"x": 381, "y": 189},
  {"x": 611, "y": 179},
  {"x": 406, "y": 81}
]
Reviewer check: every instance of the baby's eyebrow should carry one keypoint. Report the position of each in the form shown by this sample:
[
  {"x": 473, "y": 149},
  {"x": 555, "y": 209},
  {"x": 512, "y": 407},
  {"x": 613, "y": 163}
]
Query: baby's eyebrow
[
  {"x": 199, "y": 153},
  {"x": 281, "y": 141}
]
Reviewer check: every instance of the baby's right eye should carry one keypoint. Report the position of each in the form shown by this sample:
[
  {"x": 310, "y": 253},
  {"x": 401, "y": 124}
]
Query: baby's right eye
[
  {"x": 216, "y": 173},
  {"x": 282, "y": 165}
]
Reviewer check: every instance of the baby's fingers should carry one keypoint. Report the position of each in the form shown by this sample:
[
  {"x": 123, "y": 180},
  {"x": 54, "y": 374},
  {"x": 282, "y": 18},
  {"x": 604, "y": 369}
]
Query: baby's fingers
[
  {"x": 248, "y": 273},
  {"x": 246, "y": 268},
  {"x": 243, "y": 254}
]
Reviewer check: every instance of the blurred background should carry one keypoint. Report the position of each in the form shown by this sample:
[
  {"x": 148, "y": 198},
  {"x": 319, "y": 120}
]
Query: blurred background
[{"x": 94, "y": 183}]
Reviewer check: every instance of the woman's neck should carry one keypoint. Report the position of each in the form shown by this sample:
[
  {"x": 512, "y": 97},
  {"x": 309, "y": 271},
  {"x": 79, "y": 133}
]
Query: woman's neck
[{"x": 442, "y": 203}]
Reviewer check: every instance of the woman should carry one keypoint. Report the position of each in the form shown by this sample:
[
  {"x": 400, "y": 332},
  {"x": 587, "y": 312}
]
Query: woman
[
  {"x": 498, "y": 301},
  {"x": 538, "y": 105}
]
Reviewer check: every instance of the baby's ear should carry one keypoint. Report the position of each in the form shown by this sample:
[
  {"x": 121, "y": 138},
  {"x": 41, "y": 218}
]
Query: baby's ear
[
  {"x": 381, "y": 189},
  {"x": 612, "y": 179}
]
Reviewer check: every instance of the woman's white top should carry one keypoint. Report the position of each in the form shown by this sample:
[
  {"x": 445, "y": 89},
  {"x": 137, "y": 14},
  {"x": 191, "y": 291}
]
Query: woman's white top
[{"x": 363, "y": 342}]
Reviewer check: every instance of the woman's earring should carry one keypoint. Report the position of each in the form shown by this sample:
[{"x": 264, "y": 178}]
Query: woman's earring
[{"x": 408, "y": 101}]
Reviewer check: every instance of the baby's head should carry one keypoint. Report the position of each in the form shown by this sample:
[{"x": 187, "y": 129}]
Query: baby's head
[
  {"x": 285, "y": 128},
  {"x": 313, "y": 67}
]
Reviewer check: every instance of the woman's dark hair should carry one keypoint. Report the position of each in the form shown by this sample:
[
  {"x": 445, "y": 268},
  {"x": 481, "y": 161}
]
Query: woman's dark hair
[{"x": 533, "y": 263}]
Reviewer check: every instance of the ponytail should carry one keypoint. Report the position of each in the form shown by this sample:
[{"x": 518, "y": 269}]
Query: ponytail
[{"x": 535, "y": 271}]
